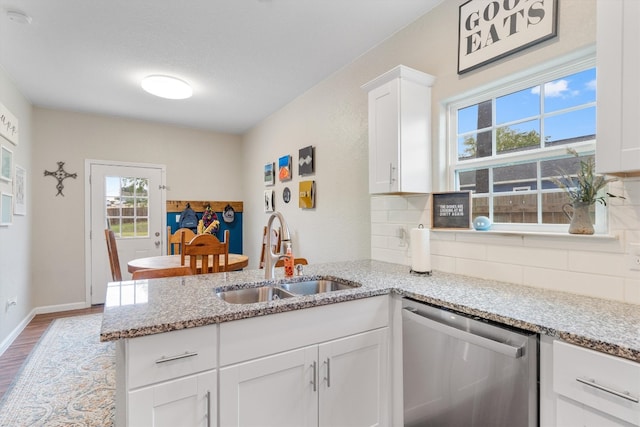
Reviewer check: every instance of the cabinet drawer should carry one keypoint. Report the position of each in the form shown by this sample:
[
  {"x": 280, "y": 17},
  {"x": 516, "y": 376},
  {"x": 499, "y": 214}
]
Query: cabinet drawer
[
  {"x": 607, "y": 383},
  {"x": 251, "y": 338},
  {"x": 170, "y": 355}
]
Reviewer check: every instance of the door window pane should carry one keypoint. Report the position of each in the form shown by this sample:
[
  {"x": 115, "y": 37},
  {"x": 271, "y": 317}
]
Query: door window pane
[{"x": 127, "y": 201}]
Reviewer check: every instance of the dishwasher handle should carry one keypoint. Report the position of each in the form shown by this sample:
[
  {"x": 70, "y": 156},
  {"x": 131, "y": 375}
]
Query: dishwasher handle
[{"x": 488, "y": 343}]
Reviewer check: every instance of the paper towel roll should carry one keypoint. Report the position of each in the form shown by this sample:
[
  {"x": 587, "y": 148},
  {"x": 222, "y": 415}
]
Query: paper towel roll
[{"x": 420, "y": 251}]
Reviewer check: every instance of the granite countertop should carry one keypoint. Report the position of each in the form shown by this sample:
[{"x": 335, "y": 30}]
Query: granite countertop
[{"x": 141, "y": 308}]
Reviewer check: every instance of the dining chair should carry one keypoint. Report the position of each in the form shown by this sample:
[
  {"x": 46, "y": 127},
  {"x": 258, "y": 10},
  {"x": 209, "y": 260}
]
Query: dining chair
[
  {"x": 153, "y": 273},
  {"x": 276, "y": 237},
  {"x": 201, "y": 247},
  {"x": 296, "y": 261},
  {"x": 114, "y": 260},
  {"x": 175, "y": 240}
]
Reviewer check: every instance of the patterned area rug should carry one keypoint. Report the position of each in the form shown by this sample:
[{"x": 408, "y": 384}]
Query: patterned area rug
[{"x": 67, "y": 380}]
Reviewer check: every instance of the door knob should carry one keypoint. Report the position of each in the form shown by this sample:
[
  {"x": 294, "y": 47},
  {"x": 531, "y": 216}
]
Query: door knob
[{"x": 157, "y": 242}]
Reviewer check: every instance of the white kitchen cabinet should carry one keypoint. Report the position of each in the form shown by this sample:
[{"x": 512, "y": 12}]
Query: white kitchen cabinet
[
  {"x": 337, "y": 383},
  {"x": 618, "y": 62},
  {"x": 162, "y": 376},
  {"x": 186, "y": 402},
  {"x": 353, "y": 380},
  {"x": 400, "y": 131},
  {"x": 594, "y": 389}
]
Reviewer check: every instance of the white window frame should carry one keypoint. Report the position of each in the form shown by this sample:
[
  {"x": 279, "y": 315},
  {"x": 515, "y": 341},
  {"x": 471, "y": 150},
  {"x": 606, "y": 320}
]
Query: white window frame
[{"x": 549, "y": 71}]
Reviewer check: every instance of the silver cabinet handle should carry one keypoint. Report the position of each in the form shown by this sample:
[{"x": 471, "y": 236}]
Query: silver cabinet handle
[
  {"x": 391, "y": 168},
  {"x": 208, "y": 408},
  {"x": 592, "y": 383},
  {"x": 498, "y": 347},
  {"x": 328, "y": 377},
  {"x": 186, "y": 354},
  {"x": 315, "y": 375}
]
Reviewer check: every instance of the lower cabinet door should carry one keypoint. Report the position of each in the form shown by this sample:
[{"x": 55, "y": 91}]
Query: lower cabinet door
[
  {"x": 274, "y": 391},
  {"x": 185, "y": 402},
  {"x": 354, "y": 380}
]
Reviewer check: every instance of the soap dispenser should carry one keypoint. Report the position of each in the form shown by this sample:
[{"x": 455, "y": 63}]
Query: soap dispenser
[{"x": 288, "y": 262}]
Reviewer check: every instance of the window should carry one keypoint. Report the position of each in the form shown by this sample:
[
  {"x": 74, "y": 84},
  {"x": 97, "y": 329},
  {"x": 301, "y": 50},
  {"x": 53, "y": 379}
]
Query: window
[
  {"x": 127, "y": 203},
  {"x": 507, "y": 142}
]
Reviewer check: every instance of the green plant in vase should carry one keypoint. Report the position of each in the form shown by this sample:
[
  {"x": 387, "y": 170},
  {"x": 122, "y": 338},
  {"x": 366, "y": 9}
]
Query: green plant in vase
[{"x": 584, "y": 190}]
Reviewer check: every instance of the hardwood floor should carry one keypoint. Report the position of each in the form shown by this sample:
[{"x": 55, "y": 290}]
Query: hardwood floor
[{"x": 12, "y": 359}]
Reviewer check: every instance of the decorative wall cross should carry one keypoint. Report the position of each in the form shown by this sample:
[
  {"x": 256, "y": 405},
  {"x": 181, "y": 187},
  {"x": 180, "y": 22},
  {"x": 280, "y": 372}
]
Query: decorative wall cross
[{"x": 60, "y": 175}]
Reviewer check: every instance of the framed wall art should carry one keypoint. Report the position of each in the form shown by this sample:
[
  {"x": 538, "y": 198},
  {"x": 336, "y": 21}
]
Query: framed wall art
[
  {"x": 451, "y": 210},
  {"x": 305, "y": 161},
  {"x": 20, "y": 191},
  {"x": 8, "y": 125},
  {"x": 269, "y": 174},
  {"x": 307, "y": 194},
  {"x": 268, "y": 201},
  {"x": 6, "y": 164},
  {"x": 6, "y": 209},
  {"x": 491, "y": 30},
  {"x": 284, "y": 168}
]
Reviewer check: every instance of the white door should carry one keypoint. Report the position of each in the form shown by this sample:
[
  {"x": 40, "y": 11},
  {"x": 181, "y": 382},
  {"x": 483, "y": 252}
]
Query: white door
[
  {"x": 354, "y": 381},
  {"x": 130, "y": 200}
]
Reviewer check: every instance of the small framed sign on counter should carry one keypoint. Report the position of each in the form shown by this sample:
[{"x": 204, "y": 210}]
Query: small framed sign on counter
[{"x": 451, "y": 210}]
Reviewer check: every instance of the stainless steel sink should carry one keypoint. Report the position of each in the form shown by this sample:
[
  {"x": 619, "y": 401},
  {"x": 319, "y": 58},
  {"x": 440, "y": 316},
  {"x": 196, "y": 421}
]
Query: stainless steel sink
[
  {"x": 312, "y": 287},
  {"x": 253, "y": 295}
]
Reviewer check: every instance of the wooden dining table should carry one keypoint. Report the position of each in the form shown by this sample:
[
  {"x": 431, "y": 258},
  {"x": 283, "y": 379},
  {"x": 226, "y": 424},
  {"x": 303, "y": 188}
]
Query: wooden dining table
[{"x": 236, "y": 262}]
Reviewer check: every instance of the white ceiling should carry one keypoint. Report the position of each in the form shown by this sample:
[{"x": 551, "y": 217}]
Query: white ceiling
[{"x": 244, "y": 58}]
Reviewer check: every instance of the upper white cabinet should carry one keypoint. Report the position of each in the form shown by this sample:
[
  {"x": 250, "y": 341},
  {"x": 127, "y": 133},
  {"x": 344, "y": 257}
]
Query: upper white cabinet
[
  {"x": 400, "y": 131},
  {"x": 618, "y": 60}
]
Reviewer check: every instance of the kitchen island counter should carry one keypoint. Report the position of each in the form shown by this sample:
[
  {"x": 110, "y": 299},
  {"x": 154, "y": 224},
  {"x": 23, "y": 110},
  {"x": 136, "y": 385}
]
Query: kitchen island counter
[{"x": 144, "y": 307}]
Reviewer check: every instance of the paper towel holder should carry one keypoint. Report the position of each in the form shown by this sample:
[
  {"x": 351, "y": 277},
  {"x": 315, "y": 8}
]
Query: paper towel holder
[{"x": 420, "y": 273}]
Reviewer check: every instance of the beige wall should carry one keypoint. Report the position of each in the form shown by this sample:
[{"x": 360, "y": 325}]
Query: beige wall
[
  {"x": 200, "y": 165},
  {"x": 15, "y": 259},
  {"x": 332, "y": 116}
]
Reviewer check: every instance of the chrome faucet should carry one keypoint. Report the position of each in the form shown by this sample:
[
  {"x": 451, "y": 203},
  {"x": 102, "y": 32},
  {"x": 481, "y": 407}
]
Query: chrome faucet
[{"x": 271, "y": 258}]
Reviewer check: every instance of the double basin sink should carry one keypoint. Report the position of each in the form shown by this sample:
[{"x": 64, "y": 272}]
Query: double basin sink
[{"x": 284, "y": 290}]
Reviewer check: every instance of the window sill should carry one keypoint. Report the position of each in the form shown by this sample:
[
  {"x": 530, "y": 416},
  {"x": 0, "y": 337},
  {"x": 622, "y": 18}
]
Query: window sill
[{"x": 566, "y": 236}]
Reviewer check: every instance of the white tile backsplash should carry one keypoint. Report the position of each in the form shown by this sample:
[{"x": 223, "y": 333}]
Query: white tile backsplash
[{"x": 587, "y": 265}]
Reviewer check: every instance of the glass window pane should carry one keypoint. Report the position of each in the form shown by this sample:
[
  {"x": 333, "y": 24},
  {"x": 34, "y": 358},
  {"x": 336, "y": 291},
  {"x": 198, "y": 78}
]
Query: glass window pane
[
  {"x": 518, "y": 105},
  {"x": 570, "y": 91},
  {"x": 128, "y": 186},
  {"x": 522, "y": 177},
  {"x": 518, "y": 137},
  {"x": 574, "y": 126},
  {"x": 557, "y": 168},
  {"x": 516, "y": 208},
  {"x": 475, "y": 146},
  {"x": 552, "y": 212},
  {"x": 142, "y": 187},
  {"x": 480, "y": 206},
  {"x": 476, "y": 181},
  {"x": 474, "y": 117},
  {"x": 142, "y": 227},
  {"x": 114, "y": 225},
  {"x": 112, "y": 187}
]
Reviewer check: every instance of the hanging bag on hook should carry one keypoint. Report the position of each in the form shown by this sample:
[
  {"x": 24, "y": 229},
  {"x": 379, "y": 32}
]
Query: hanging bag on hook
[{"x": 188, "y": 218}]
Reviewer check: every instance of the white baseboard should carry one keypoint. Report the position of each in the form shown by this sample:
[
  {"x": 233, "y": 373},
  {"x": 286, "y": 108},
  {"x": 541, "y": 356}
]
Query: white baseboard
[
  {"x": 60, "y": 307},
  {"x": 4, "y": 345}
]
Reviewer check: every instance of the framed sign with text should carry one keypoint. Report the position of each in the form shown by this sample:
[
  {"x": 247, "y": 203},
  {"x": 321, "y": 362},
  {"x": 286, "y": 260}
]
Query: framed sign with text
[
  {"x": 451, "y": 210},
  {"x": 490, "y": 30}
]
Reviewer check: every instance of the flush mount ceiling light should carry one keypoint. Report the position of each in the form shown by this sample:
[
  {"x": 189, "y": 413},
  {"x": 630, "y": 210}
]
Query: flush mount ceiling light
[
  {"x": 18, "y": 17},
  {"x": 167, "y": 87}
]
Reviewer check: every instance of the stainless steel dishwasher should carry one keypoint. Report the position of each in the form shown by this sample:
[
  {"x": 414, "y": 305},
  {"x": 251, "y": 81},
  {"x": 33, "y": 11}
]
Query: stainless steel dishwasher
[{"x": 461, "y": 371}]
